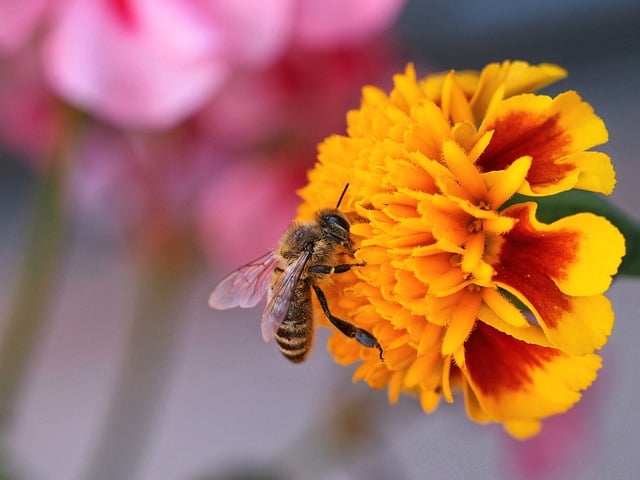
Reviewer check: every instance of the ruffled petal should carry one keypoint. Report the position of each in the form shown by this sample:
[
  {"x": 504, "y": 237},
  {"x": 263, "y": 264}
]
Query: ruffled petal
[
  {"x": 595, "y": 171},
  {"x": 554, "y": 133},
  {"x": 454, "y": 102},
  {"x": 463, "y": 317},
  {"x": 503, "y": 184},
  {"x": 580, "y": 252},
  {"x": 558, "y": 270},
  {"x": 515, "y": 381},
  {"x": 516, "y": 77},
  {"x": 513, "y": 77},
  {"x": 466, "y": 174}
]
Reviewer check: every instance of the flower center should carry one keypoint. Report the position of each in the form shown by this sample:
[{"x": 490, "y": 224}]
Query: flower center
[{"x": 475, "y": 226}]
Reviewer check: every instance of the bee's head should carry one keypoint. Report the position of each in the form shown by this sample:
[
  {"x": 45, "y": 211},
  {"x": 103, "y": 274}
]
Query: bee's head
[{"x": 336, "y": 227}]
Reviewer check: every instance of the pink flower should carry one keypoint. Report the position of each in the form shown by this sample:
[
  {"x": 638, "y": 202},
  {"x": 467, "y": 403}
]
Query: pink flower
[
  {"x": 149, "y": 64},
  {"x": 19, "y": 21},
  {"x": 229, "y": 173},
  {"x": 28, "y": 112},
  {"x": 302, "y": 98},
  {"x": 143, "y": 63},
  {"x": 270, "y": 121},
  {"x": 246, "y": 207},
  {"x": 328, "y": 23},
  {"x": 238, "y": 94},
  {"x": 141, "y": 187}
]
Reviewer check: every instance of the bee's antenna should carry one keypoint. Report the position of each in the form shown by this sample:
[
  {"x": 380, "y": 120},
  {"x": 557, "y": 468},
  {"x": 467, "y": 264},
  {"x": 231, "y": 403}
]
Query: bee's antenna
[{"x": 342, "y": 195}]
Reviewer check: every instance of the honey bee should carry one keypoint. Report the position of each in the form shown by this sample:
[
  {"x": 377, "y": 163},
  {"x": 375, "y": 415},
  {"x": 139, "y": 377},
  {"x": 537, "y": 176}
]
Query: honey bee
[{"x": 306, "y": 253}]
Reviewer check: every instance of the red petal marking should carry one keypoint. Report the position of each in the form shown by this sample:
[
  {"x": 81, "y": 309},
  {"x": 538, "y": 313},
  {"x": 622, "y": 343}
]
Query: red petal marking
[
  {"x": 524, "y": 133},
  {"x": 498, "y": 362},
  {"x": 528, "y": 261}
]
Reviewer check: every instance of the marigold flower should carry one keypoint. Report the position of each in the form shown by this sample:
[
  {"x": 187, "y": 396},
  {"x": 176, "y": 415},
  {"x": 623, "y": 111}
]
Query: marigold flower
[{"x": 462, "y": 292}]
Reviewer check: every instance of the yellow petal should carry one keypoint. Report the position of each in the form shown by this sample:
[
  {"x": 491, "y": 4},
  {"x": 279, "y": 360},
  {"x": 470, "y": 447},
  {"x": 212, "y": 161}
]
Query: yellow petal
[
  {"x": 503, "y": 308},
  {"x": 523, "y": 429},
  {"x": 395, "y": 386},
  {"x": 429, "y": 128},
  {"x": 516, "y": 77},
  {"x": 473, "y": 407},
  {"x": 455, "y": 105},
  {"x": 421, "y": 367},
  {"x": 598, "y": 253},
  {"x": 556, "y": 269},
  {"x": 580, "y": 253},
  {"x": 463, "y": 318},
  {"x": 516, "y": 381},
  {"x": 430, "y": 338},
  {"x": 473, "y": 252},
  {"x": 550, "y": 131},
  {"x": 406, "y": 91},
  {"x": 464, "y": 170},
  {"x": 596, "y": 171},
  {"x": 446, "y": 379},
  {"x": 429, "y": 400},
  {"x": 503, "y": 184}
]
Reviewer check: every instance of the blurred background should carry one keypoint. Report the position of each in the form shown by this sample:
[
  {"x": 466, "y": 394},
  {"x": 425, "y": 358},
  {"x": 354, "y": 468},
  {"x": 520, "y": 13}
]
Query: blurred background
[{"x": 148, "y": 148}]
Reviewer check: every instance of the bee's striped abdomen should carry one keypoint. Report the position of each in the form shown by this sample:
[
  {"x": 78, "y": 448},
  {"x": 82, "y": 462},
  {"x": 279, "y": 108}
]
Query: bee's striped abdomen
[{"x": 295, "y": 334}]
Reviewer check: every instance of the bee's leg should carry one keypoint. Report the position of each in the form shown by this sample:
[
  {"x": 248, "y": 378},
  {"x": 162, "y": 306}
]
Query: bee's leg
[
  {"x": 329, "y": 269},
  {"x": 350, "y": 330}
]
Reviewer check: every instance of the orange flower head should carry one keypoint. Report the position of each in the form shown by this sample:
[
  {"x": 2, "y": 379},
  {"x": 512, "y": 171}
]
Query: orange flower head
[{"x": 464, "y": 293}]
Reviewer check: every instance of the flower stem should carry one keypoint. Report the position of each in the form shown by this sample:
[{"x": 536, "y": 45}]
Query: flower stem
[
  {"x": 139, "y": 388},
  {"x": 34, "y": 288}
]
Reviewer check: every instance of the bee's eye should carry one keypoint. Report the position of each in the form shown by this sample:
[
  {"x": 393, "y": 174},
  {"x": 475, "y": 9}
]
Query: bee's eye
[{"x": 339, "y": 221}]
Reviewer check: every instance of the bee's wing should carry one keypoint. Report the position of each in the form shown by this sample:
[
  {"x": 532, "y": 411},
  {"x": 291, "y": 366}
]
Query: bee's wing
[
  {"x": 281, "y": 297},
  {"x": 245, "y": 286}
]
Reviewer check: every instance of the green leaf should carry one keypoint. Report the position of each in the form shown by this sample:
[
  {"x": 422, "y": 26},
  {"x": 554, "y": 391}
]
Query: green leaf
[{"x": 563, "y": 204}]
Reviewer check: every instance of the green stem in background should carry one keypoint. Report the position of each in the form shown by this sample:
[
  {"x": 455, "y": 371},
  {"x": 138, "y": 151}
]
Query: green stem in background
[
  {"x": 139, "y": 389},
  {"x": 34, "y": 288}
]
